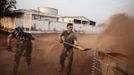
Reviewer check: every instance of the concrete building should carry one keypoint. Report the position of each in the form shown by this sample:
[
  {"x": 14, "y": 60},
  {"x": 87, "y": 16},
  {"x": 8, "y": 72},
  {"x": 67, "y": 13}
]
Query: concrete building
[
  {"x": 48, "y": 10},
  {"x": 46, "y": 19},
  {"x": 76, "y": 20}
]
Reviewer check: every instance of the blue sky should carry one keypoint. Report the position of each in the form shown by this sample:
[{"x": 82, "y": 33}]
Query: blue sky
[{"x": 97, "y": 10}]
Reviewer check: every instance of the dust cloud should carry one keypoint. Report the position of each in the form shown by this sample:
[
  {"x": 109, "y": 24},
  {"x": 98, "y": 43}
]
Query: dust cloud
[{"x": 118, "y": 36}]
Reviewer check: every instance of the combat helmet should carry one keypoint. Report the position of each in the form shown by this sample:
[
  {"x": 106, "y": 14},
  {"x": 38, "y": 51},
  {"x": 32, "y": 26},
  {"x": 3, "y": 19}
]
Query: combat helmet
[{"x": 20, "y": 29}]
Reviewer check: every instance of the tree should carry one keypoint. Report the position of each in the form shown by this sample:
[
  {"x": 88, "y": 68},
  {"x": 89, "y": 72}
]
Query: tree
[{"x": 7, "y": 6}]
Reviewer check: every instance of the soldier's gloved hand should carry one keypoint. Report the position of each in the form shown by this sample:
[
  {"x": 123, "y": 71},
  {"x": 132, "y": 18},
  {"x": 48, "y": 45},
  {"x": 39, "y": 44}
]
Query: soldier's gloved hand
[{"x": 9, "y": 48}]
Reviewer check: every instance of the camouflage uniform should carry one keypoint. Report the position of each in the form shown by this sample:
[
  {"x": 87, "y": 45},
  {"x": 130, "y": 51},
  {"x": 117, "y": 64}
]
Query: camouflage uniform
[
  {"x": 67, "y": 51},
  {"x": 24, "y": 45}
]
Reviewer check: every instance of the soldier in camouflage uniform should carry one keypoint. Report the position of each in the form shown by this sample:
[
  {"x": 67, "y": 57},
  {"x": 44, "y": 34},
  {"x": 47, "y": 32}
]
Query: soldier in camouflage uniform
[
  {"x": 24, "y": 44},
  {"x": 67, "y": 52}
]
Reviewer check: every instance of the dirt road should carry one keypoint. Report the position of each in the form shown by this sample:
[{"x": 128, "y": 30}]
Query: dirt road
[{"x": 45, "y": 57}]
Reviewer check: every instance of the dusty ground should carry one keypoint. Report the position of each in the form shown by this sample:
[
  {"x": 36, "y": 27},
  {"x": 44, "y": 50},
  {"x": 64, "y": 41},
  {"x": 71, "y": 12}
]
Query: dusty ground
[{"x": 45, "y": 56}]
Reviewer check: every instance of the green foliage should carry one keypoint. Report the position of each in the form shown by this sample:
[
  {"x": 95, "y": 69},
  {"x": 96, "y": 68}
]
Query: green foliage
[{"x": 7, "y": 6}]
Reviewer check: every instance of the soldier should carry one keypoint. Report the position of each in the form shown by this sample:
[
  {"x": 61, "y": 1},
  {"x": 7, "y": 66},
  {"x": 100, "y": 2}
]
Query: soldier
[
  {"x": 24, "y": 43},
  {"x": 69, "y": 37}
]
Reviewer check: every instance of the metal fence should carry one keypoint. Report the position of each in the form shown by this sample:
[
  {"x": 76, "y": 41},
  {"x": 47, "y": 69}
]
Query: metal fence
[{"x": 105, "y": 64}]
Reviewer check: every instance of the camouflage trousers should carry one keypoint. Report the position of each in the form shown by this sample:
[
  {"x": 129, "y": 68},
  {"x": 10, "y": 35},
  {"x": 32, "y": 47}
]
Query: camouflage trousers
[
  {"x": 66, "y": 53},
  {"x": 23, "y": 48}
]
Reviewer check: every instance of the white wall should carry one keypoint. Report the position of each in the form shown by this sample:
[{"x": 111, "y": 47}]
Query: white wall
[
  {"x": 53, "y": 26},
  {"x": 61, "y": 26},
  {"x": 8, "y": 22},
  {"x": 27, "y": 19},
  {"x": 68, "y": 20},
  {"x": 40, "y": 25},
  {"x": 19, "y": 22},
  {"x": 87, "y": 28}
]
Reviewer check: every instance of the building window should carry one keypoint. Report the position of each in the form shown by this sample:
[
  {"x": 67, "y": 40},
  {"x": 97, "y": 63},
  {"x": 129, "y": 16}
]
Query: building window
[
  {"x": 84, "y": 22},
  {"x": 92, "y": 23},
  {"x": 77, "y": 21},
  {"x": 36, "y": 17}
]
